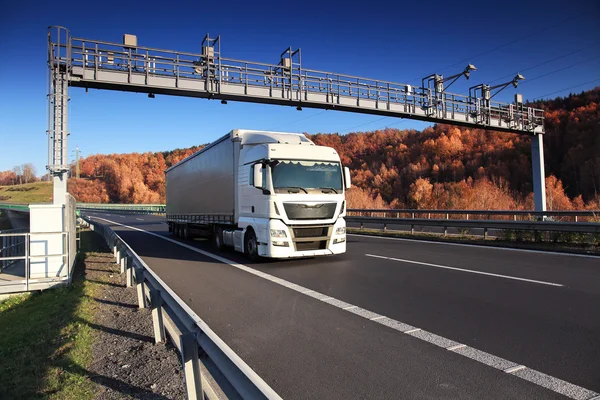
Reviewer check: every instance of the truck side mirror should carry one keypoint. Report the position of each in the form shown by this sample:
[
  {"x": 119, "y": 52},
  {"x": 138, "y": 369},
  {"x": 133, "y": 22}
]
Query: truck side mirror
[
  {"x": 257, "y": 171},
  {"x": 347, "y": 177}
]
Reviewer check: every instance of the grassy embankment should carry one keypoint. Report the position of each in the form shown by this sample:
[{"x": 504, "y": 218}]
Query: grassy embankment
[
  {"x": 38, "y": 192},
  {"x": 46, "y": 339}
]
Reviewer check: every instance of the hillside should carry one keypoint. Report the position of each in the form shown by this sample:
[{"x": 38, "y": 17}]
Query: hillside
[
  {"x": 38, "y": 192},
  {"x": 442, "y": 166}
]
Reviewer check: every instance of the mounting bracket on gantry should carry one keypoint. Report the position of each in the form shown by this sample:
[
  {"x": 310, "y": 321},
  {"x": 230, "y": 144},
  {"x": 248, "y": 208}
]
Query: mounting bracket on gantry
[
  {"x": 210, "y": 62},
  {"x": 433, "y": 85}
]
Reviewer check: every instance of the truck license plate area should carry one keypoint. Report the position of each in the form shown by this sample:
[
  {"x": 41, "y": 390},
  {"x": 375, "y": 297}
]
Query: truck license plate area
[{"x": 314, "y": 245}]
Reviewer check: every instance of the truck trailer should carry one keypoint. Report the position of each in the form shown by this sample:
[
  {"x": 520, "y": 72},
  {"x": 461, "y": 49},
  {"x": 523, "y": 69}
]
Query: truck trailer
[{"x": 265, "y": 194}]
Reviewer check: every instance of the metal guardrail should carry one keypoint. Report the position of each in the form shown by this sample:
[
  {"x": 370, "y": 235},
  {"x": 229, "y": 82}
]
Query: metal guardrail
[
  {"x": 188, "y": 332},
  {"x": 130, "y": 208},
  {"x": 468, "y": 214},
  {"x": 535, "y": 226},
  {"x": 16, "y": 248},
  {"x": 14, "y": 207},
  {"x": 10, "y": 245}
]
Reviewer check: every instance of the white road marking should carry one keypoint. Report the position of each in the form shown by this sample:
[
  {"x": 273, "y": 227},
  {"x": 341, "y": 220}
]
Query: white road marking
[
  {"x": 514, "y": 369},
  {"x": 482, "y": 246},
  {"x": 458, "y": 346},
  {"x": 549, "y": 382},
  {"x": 139, "y": 219},
  {"x": 465, "y": 270},
  {"x": 377, "y": 318}
]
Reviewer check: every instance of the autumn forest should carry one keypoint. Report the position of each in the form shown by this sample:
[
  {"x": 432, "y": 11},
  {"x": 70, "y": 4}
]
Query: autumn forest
[{"x": 443, "y": 166}]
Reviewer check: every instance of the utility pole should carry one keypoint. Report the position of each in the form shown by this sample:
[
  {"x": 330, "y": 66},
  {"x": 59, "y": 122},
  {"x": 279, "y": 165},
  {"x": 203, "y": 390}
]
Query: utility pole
[
  {"x": 77, "y": 162},
  {"x": 76, "y": 151}
]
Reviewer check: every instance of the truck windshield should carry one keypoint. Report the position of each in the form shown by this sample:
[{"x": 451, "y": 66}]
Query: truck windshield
[{"x": 304, "y": 176}]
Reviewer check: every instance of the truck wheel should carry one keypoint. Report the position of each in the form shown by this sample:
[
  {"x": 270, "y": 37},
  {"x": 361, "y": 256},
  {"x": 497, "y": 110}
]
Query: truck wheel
[
  {"x": 185, "y": 232},
  {"x": 251, "y": 245},
  {"x": 177, "y": 230},
  {"x": 218, "y": 238}
]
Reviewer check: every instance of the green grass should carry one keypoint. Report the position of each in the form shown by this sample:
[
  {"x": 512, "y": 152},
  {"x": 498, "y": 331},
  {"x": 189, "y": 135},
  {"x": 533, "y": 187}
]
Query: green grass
[
  {"x": 38, "y": 192},
  {"x": 46, "y": 342}
]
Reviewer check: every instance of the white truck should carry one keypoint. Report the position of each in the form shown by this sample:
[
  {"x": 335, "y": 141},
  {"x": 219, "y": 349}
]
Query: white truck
[{"x": 266, "y": 194}]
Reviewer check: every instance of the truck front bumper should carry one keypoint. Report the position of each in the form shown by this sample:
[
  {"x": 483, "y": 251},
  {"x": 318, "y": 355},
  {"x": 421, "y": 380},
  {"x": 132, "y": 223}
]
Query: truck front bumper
[{"x": 286, "y": 247}]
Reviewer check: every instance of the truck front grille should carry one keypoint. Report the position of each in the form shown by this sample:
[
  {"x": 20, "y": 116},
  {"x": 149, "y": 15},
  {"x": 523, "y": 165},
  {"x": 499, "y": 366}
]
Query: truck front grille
[{"x": 296, "y": 211}]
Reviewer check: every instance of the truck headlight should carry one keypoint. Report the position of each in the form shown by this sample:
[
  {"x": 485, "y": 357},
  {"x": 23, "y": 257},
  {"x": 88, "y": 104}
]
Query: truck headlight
[
  {"x": 341, "y": 230},
  {"x": 278, "y": 233}
]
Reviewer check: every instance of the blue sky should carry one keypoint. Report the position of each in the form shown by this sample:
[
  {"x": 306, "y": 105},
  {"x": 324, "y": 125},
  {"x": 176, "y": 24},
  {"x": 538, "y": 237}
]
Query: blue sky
[{"x": 375, "y": 39}]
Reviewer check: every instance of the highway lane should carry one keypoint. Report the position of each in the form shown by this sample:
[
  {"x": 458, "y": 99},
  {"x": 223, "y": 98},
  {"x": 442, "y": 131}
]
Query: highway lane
[{"x": 553, "y": 329}]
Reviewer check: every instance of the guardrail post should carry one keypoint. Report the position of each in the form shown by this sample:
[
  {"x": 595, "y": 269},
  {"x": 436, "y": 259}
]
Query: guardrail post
[
  {"x": 412, "y": 229},
  {"x": 129, "y": 270},
  {"x": 191, "y": 366},
  {"x": 361, "y": 225},
  {"x": 114, "y": 247},
  {"x": 384, "y": 227},
  {"x": 139, "y": 283},
  {"x": 123, "y": 262},
  {"x": 485, "y": 233},
  {"x": 445, "y": 231},
  {"x": 576, "y": 218},
  {"x": 157, "y": 318}
]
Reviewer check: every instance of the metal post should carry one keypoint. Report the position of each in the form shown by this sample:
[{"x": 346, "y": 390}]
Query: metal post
[
  {"x": 191, "y": 366},
  {"x": 485, "y": 233},
  {"x": 26, "y": 262},
  {"x": 123, "y": 263},
  {"x": 59, "y": 62},
  {"x": 445, "y": 231},
  {"x": 139, "y": 283},
  {"x": 157, "y": 318},
  {"x": 129, "y": 271},
  {"x": 539, "y": 177},
  {"x": 412, "y": 229}
]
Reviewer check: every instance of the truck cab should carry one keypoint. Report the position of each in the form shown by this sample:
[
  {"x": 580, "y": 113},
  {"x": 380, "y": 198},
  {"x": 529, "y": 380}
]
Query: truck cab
[{"x": 291, "y": 196}]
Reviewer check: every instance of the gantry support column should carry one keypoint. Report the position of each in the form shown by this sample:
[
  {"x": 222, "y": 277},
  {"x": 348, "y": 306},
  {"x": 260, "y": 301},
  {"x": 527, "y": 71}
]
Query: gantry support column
[
  {"x": 59, "y": 64},
  {"x": 539, "y": 177}
]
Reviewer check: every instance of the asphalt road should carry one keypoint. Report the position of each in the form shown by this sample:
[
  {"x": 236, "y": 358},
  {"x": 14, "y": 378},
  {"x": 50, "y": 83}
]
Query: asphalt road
[{"x": 539, "y": 310}]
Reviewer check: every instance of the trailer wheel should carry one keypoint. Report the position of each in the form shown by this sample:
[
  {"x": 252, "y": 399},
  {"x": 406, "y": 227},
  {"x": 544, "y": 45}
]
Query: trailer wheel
[
  {"x": 177, "y": 230},
  {"x": 185, "y": 232},
  {"x": 251, "y": 245}
]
